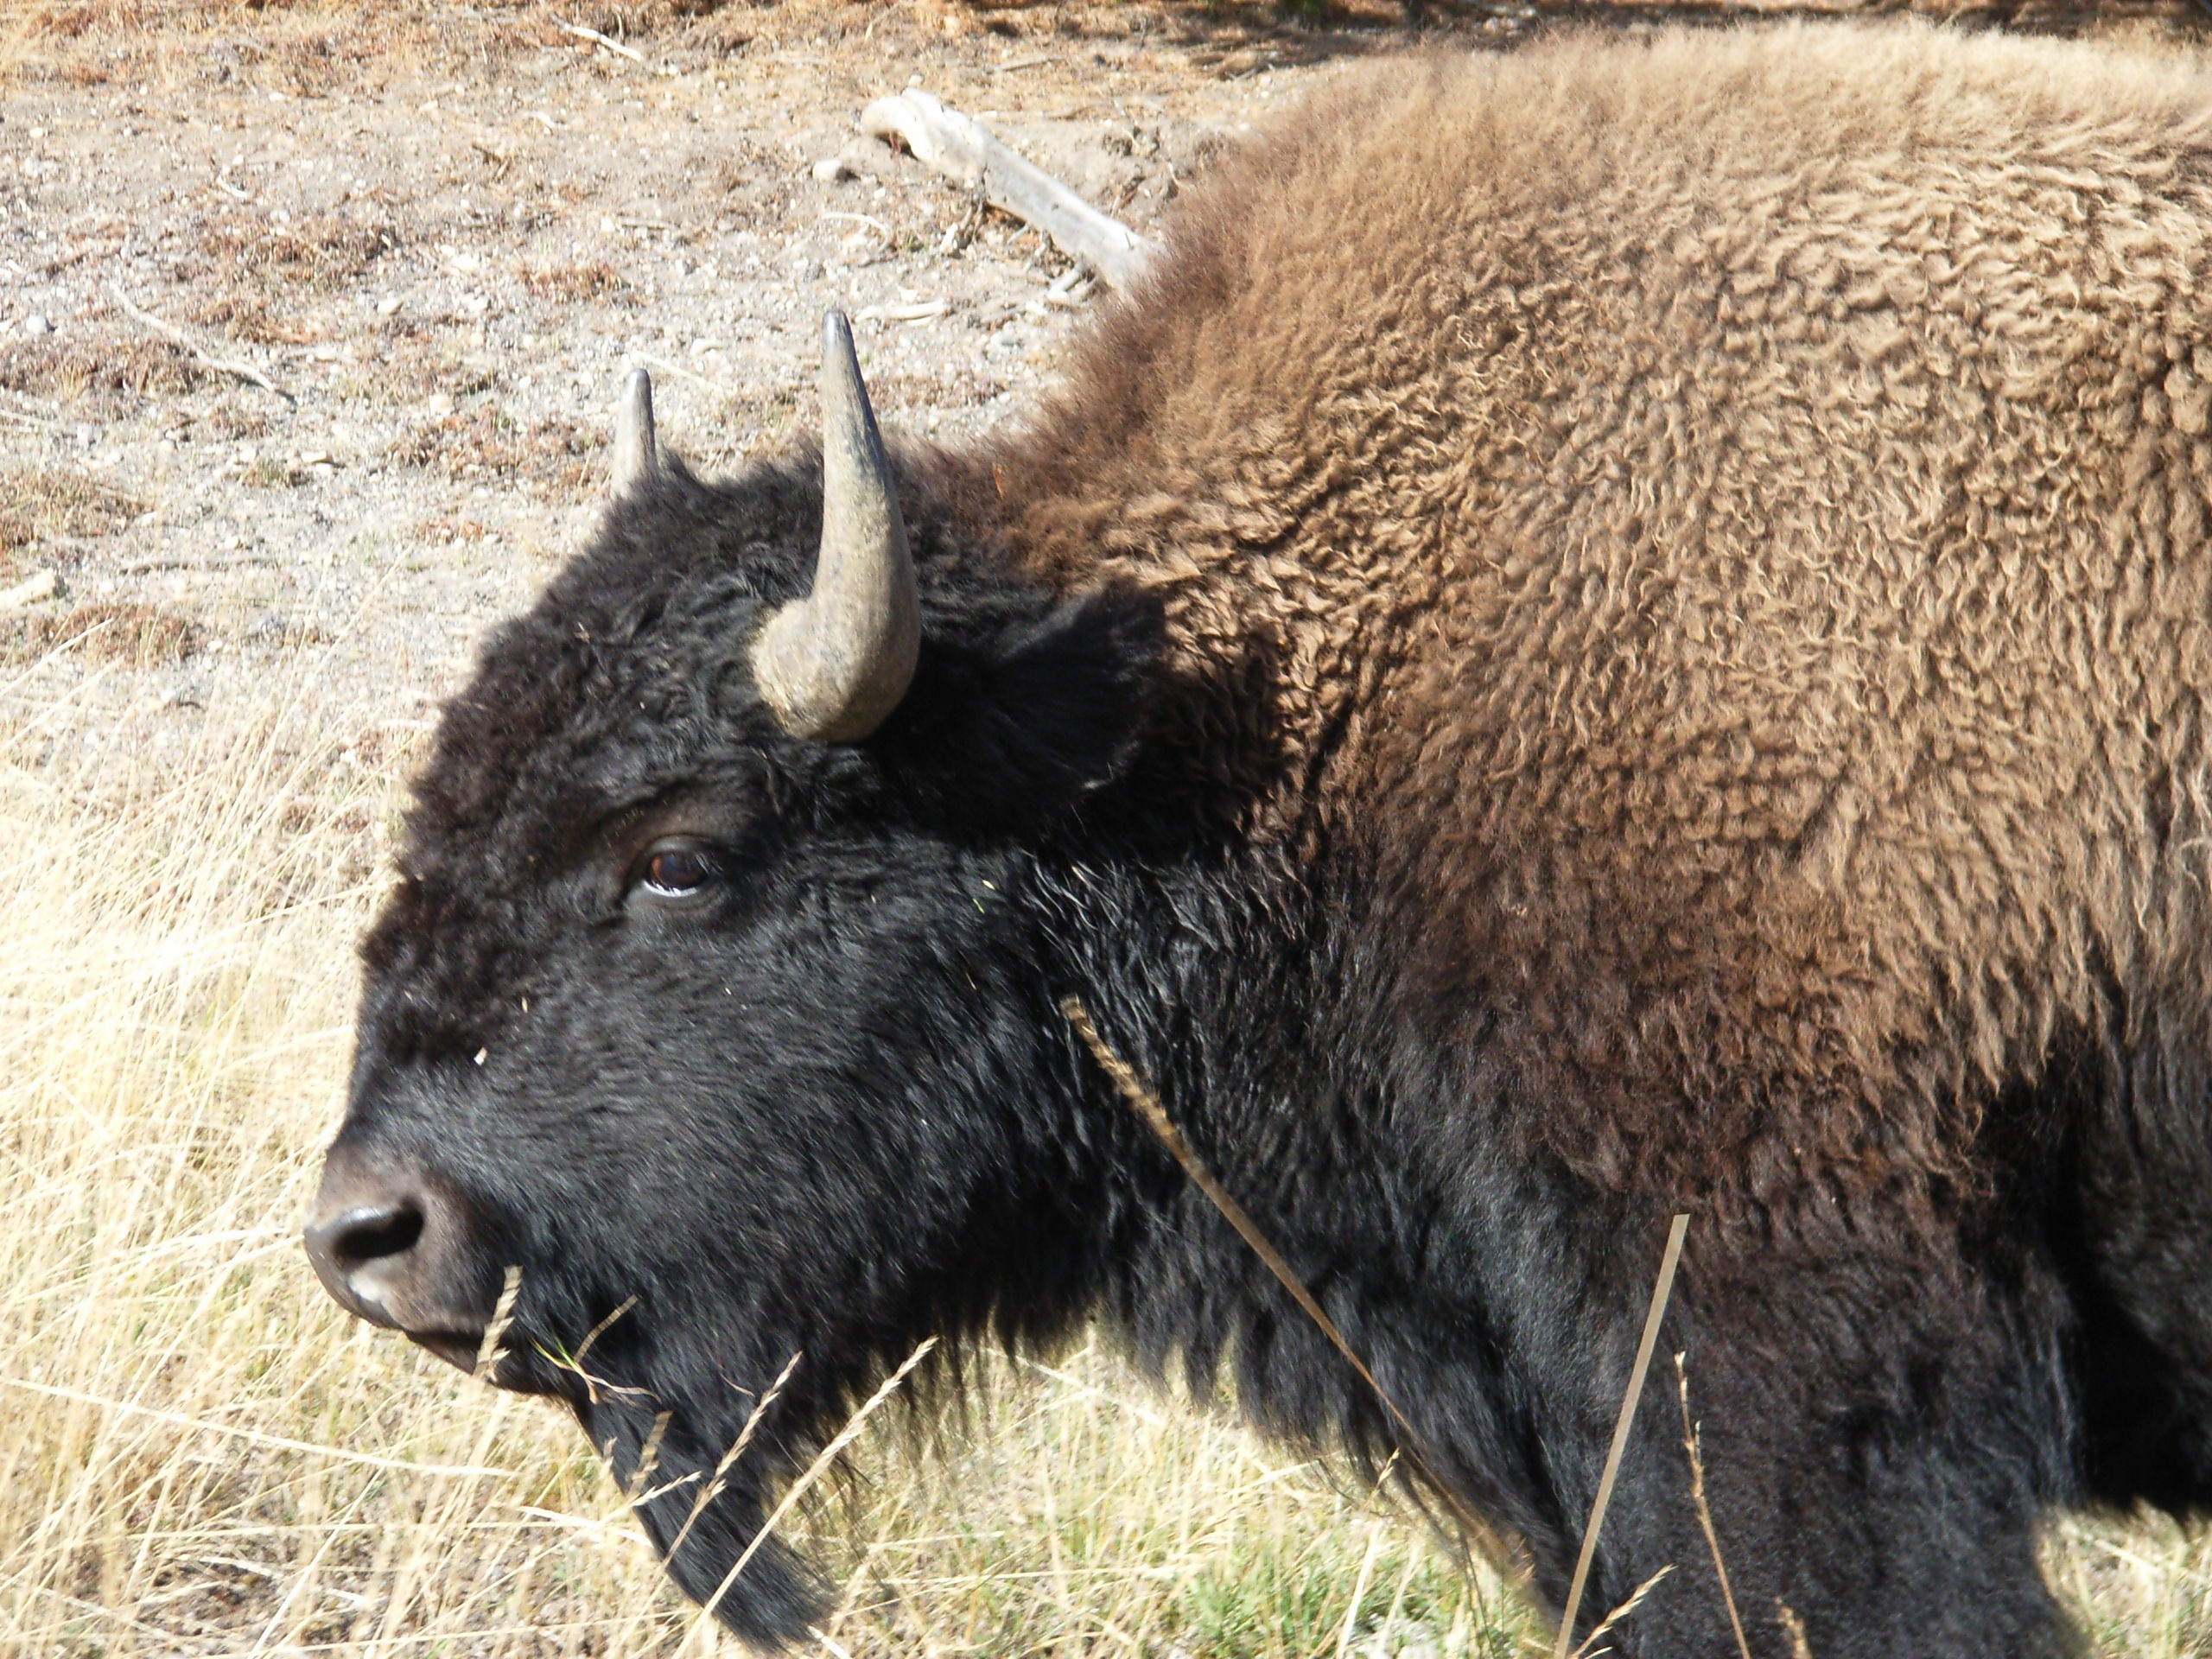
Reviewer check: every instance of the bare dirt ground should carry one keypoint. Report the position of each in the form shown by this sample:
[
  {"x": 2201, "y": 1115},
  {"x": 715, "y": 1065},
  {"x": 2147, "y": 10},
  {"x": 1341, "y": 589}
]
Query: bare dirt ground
[
  {"x": 445, "y": 233},
  {"x": 446, "y": 253}
]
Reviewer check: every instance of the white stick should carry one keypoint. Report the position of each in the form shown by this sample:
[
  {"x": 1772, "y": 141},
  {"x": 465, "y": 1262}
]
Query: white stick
[
  {"x": 963, "y": 150},
  {"x": 598, "y": 39},
  {"x": 175, "y": 335}
]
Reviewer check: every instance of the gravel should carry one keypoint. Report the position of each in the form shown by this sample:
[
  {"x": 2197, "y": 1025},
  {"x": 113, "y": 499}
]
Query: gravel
[{"x": 444, "y": 272}]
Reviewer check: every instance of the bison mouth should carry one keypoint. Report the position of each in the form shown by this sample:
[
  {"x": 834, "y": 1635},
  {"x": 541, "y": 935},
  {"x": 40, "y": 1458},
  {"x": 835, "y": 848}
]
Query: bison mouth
[
  {"x": 461, "y": 1350},
  {"x": 699, "y": 1457}
]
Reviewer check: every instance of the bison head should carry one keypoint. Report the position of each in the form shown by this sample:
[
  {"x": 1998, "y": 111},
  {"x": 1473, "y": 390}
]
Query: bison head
[{"x": 710, "y": 1021}]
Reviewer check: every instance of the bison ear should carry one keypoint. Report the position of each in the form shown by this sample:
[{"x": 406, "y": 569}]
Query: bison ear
[{"x": 1046, "y": 709}]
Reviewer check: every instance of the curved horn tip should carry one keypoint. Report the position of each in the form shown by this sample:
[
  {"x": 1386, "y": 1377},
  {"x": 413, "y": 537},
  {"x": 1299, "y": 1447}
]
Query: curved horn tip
[
  {"x": 637, "y": 457},
  {"x": 834, "y": 665}
]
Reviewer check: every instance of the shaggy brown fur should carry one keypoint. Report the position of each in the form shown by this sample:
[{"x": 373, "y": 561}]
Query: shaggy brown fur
[{"x": 1741, "y": 502}]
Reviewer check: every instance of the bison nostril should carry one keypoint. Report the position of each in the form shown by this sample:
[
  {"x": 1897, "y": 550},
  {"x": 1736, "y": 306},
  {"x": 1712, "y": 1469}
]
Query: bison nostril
[
  {"x": 392, "y": 1245},
  {"x": 369, "y": 1233}
]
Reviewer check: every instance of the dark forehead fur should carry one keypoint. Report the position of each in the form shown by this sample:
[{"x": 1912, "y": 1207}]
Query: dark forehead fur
[
  {"x": 631, "y": 676},
  {"x": 639, "y": 628}
]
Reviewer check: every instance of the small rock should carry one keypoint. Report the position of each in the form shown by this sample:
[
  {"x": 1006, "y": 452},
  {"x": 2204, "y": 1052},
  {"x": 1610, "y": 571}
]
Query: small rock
[
  {"x": 833, "y": 170},
  {"x": 388, "y": 305},
  {"x": 36, "y": 324},
  {"x": 42, "y": 584}
]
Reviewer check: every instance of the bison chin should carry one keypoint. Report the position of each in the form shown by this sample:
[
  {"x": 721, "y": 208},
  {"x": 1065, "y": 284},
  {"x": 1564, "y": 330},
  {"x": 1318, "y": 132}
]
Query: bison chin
[{"x": 778, "y": 1595}]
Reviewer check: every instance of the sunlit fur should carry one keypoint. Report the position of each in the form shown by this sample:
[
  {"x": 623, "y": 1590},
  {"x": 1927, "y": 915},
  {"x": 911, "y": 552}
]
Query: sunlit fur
[{"x": 1617, "y": 629}]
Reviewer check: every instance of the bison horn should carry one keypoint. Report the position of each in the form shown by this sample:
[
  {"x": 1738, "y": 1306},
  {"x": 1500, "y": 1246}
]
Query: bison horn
[
  {"x": 832, "y": 665},
  {"x": 636, "y": 457}
]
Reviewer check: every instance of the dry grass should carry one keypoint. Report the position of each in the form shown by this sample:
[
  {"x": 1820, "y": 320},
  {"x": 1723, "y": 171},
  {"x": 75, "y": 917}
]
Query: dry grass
[
  {"x": 108, "y": 372},
  {"x": 249, "y": 272},
  {"x": 484, "y": 442},
  {"x": 567, "y": 284},
  {"x": 198, "y": 1454},
  {"x": 328, "y": 251},
  {"x": 136, "y": 635},
  {"x": 39, "y": 503}
]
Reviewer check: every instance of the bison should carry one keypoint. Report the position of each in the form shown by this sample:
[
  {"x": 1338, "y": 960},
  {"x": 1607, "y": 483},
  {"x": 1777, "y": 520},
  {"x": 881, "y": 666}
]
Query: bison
[{"x": 1616, "y": 630}]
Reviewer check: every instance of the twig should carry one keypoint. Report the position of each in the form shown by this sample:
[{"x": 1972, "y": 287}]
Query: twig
[
  {"x": 964, "y": 151},
  {"x": 1660, "y": 1290},
  {"x": 1690, "y": 1445},
  {"x": 176, "y": 336},
  {"x": 598, "y": 39}
]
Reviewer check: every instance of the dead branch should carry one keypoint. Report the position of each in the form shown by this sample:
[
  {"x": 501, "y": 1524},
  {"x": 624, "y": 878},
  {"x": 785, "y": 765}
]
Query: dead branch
[
  {"x": 598, "y": 39},
  {"x": 964, "y": 151},
  {"x": 176, "y": 336}
]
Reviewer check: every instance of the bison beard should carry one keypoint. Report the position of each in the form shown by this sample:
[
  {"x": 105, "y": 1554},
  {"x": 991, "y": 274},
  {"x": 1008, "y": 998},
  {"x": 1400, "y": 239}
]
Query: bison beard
[
  {"x": 699, "y": 1541},
  {"x": 1620, "y": 630}
]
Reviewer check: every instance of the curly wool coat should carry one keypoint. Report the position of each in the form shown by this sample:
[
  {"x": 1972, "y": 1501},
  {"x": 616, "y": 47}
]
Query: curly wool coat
[
  {"x": 1620, "y": 628},
  {"x": 1726, "y": 528}
]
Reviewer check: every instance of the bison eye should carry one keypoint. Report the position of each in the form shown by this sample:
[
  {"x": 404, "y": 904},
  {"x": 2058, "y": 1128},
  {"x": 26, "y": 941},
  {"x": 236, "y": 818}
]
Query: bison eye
[{"x": 677, "y": 870}]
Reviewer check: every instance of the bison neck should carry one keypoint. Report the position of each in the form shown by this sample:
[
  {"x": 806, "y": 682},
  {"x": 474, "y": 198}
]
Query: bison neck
[{"x": 1252, "y": 1001}]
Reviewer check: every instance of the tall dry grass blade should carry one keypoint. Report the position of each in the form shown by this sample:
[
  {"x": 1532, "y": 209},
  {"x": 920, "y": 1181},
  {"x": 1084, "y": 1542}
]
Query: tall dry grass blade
[
  {"x": 1691, "y": 1445},
  {"x": 1660, "y": 1289},
  {"x": 488, "y": 1352},
  {"x": 1794, "y": 1627},
  {"x": 252, "y": 1437},
  {"x": 648, "y": 1460},
  {"x": 600, "y": 1330},
  {"x": 1359, "y": 1590},
  {"x": 716, "y": 1485},
  {"x": 1589, "y": 1648},
  {"x": 1145, "y": 1104}
]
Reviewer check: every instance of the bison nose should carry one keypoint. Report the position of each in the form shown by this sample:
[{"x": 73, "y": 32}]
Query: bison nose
[
  {"x": 355, "y": 1251},
  {"x": 391, "y": 1246}
]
